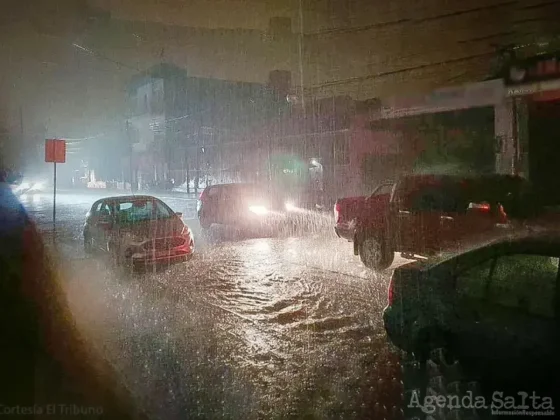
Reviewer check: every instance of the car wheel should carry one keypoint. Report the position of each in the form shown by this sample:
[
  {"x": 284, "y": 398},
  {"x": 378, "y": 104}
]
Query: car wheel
[{"x": 375, "y": 253}]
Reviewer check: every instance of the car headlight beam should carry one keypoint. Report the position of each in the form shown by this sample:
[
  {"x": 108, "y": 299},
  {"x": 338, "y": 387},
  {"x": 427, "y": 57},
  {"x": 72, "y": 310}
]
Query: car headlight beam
[
  {"x": 259, "y": 210},
  {"x": 290, "y": 206}
]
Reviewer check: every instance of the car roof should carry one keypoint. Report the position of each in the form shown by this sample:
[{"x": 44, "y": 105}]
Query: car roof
[
  {"x": 235, "y": 184},
  {"x": 123, "y": 198},
  {"x": 525, "y": 241},
  {"x": 247, "y": 185},
  {"x": 461, "y": 177}
]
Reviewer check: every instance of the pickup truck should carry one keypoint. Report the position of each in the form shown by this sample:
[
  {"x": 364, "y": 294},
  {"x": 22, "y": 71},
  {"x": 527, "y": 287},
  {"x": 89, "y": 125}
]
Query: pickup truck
[{"x": 424, "y": 214}]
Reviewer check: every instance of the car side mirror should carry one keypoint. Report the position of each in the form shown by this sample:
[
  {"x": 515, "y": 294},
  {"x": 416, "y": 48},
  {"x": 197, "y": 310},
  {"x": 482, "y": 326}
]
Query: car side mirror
[{"x": 179, "y": 214}]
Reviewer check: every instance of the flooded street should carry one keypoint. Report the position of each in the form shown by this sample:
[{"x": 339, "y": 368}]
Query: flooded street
[{"x": 280, "y": 327}]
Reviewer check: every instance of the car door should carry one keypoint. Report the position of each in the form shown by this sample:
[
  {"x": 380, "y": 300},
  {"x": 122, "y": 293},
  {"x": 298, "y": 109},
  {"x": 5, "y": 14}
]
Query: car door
[
  {"x": 228, "y": 207},
  {"x": 521, "y": 301},
  {"x": 92, "y": 216},
  {"x": 419, "y": 219},
  {"x": 506, "y": 315},
  {"x": 212, "y": 206},
  {"x": 472, "y": 276},
  {"x": 103, "y": 224}
]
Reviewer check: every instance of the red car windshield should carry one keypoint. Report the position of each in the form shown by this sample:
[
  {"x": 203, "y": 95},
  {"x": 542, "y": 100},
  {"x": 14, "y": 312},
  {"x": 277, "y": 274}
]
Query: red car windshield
[{"x": 141, "y": 210}]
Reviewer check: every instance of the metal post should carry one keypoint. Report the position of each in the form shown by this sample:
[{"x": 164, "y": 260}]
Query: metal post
[{"x": 54, "y": 204}]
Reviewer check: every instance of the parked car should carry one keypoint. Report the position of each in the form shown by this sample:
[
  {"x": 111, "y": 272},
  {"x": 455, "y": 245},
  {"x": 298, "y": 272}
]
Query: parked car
[
  {"x": 424, "y": 214},
  {"x": 495, "y": 306},
  {"x": 242, "y": 205},
  {"x": 137, "y": 229}
]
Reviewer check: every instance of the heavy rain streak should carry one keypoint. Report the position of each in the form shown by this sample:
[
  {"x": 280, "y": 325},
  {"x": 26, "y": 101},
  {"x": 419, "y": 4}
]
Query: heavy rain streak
[{"x": 310, "y": 209}]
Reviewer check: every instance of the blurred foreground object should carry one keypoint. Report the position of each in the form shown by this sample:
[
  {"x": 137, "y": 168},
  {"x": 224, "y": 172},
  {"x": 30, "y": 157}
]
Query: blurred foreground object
[{"x": 43, "y": 359}]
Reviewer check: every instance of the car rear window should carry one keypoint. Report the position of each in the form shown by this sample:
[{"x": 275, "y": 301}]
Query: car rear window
[
  {"x": 431, "y": 194},
  {"x": 449, "y": 194}
]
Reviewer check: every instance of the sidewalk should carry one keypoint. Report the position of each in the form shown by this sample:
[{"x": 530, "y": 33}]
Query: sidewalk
[{"x": 113, "y": 192}]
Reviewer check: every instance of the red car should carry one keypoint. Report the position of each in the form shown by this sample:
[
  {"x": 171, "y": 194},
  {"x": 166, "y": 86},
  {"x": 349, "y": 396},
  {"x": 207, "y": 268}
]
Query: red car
[
  {"x": 137, "y": 229},
  {"x": 423, "y": 214}
]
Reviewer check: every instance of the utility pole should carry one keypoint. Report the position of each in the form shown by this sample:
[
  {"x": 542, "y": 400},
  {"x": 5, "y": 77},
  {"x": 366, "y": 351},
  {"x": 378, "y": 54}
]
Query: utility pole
[
  {"x": 22, "y": 139},
  {"x": 129, "y": 144},
  {"x": 300, "y": 53}
]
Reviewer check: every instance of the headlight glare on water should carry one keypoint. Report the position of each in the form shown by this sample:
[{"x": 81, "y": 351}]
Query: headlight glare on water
[
  {"x": 259, "y": 210},
  {"x": 290, "y": 206}
]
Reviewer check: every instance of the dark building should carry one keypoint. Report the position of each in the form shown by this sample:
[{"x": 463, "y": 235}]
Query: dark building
[
  {"x": 532, "y": 77},
  {"x": 197, "y": 130}
]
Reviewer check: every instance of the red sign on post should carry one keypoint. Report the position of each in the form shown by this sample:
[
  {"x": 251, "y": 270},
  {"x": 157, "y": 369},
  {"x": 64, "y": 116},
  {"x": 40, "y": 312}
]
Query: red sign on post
[{"x": 55, "y": 151}]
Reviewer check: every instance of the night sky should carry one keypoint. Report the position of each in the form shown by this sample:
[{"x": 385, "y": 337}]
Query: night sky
[{"x": 361, "y": 48}]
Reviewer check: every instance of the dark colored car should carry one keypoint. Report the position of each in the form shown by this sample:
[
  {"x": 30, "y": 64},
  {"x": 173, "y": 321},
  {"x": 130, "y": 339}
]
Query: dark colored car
[
  {"x": 137, "y": 229},
  {"x": 495, "y": 306},
  {"x": 424, "y": 214},
  {"x": 242, "y": 205}
]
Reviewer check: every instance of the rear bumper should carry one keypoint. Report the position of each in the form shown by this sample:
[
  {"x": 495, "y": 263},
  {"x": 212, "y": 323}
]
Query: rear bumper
[
  {"x": 153, "y": 257},
  {"x": 394, "y": 328}
]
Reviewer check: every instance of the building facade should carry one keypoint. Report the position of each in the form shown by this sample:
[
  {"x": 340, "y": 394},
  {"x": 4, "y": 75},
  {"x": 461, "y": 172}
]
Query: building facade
[
  {"x": 199, "y": 131},
  {"x": 196, "y": 131},
  {"x": 533, "y": 106}
]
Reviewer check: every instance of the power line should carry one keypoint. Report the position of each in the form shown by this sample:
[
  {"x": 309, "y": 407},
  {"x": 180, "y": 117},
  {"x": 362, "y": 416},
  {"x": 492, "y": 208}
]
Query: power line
[
  {"x": 103, "y": 57},
  {"x": 411, "y": 20},
  {"x": 393, "y": 72}
]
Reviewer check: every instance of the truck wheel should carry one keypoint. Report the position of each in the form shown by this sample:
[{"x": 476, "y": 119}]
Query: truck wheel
[{"x": 375, "y": 253}]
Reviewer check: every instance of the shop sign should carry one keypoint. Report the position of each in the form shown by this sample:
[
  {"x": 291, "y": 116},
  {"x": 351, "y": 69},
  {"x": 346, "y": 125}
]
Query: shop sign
[
  {"x": 535, "y": 69},
  {"x": 473, "y": 95}
]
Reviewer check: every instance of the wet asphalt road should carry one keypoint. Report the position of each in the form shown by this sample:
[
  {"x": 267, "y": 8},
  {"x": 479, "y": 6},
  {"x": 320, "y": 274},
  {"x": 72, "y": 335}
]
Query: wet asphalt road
[{"x": 251, "y": 328}]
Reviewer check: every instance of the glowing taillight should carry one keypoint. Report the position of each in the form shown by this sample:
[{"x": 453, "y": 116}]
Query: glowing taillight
[
  {"x": 502, "y": 213},
  {"x": 391, "y": 291},
  {"x": 485, "y": 207},
  {"x": 336, "y": 211}
]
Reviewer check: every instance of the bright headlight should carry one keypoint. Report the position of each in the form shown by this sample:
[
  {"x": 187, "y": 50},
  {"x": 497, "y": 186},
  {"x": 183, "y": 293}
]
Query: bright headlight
[
  {"x": 290, "y": 206},
  {"x": 260, "y": 210}
]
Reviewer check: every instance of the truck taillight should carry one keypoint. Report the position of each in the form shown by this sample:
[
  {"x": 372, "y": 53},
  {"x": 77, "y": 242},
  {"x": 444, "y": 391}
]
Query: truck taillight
[
  {"x": 483, "y": 207},
  {"x": 502, "y": 215},
  {"x": 391, "y": 291},
  {"x": 336, "y": 211}
]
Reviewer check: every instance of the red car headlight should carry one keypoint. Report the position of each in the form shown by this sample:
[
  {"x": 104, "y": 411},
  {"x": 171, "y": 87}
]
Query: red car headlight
[{"x": 186, "y": 232}]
